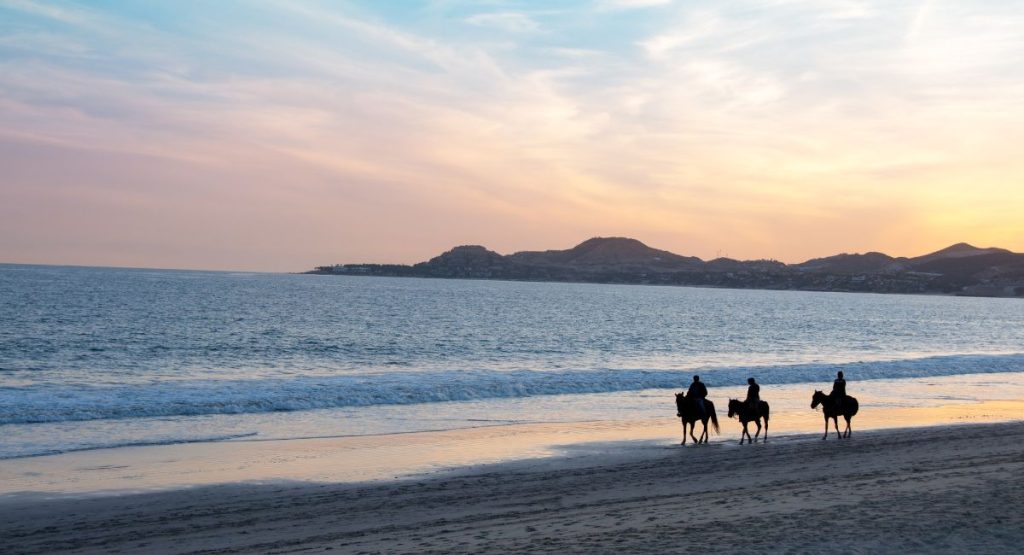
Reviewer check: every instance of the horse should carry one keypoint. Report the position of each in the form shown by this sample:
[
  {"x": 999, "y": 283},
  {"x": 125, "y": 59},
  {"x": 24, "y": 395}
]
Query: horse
[
  {"x": 828, "y": 406},
  {"x": 687, "y": 411},
  {"x": 743, "y": 412}
]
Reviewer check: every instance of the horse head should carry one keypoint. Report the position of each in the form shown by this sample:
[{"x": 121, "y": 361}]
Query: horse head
[
  {"x": 817, "y": 399},
  {"x": 734, "y": 407},
  {"x": 680, "y": 402}
]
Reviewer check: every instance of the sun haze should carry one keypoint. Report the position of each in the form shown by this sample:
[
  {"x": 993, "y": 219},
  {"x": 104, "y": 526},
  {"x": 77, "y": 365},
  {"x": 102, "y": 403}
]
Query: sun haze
[{"x": 276, "y": 135}]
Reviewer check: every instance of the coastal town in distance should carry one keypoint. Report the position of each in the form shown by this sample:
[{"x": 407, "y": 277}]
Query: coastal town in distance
[{"x": 960, "y": 269}]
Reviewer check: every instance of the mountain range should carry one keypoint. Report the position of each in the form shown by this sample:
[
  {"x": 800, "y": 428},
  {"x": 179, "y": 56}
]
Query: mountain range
[{"x": 958, "y": 269}]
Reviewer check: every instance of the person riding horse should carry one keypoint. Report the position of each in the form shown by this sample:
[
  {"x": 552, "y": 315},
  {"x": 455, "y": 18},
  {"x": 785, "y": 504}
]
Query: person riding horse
[
  {"x": 697, "y": 393},
  {"x": 836, "y": 404},
  {"x": 838, "y": 391},
  {"x": 751, "y": 409},
  {"x": 693, "y": 407},
  {"x": 753, "y": 395}
]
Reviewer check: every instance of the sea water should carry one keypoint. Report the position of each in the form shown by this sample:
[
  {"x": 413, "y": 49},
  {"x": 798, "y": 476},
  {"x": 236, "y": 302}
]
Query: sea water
[{"x": 96, "y": 357}]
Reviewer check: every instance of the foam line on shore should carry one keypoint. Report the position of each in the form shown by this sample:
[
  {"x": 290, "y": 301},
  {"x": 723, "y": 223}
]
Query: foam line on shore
[
  {"x": 62, "y": 402},
  {"x": 116, "y": 445}
]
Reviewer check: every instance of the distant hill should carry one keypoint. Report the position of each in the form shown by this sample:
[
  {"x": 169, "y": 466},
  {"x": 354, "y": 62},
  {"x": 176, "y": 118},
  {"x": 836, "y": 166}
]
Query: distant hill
[
  {"x": 959, "y": 250},
  {"x": 872, "y": 262},
  {"x": 980, "y": 267},
  {"x": 465, "y": 261},
  {"x": 957, "y": 269},
  {"x": 467, "y": 256},
  {"x": 609, "y": 252}
]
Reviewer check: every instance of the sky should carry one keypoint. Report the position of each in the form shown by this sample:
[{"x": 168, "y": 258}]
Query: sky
[{"x": 278, "y": 135}]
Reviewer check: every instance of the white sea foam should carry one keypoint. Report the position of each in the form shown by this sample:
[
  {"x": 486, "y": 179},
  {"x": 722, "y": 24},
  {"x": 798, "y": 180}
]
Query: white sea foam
[
  {"x": 16, "y": 454},
  {"x": 60, "y": 402}
]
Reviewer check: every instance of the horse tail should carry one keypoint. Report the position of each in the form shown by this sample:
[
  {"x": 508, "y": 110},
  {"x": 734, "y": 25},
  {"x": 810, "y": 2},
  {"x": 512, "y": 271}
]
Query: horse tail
[
  {"x": 714, "y": 418},
  {"x": 767, "y": 410},
  {"x": 854, "y": 406}
]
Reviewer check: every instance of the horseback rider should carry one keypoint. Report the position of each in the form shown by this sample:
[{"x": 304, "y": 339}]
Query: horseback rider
[
  {"x": 753, "y": 395},
  {"x": 696, "y": 395},
  {"x": 838, "y": 391}
]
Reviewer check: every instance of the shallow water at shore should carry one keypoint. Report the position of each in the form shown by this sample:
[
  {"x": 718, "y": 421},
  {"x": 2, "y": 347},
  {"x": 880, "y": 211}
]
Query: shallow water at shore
[{"x": 885, "y": 404}]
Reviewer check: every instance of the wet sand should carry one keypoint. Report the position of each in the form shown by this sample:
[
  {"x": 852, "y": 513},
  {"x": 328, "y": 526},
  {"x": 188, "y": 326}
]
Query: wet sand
[
  {"x": 350, "y": 459},
  {"x": 937, "y": 489}
]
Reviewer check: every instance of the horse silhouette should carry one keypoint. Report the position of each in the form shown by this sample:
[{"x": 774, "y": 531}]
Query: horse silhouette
[
  {"x": 828, "y": 406},
  {"x": 687, "y": 411},
  {"x": 742, "y": 411}
]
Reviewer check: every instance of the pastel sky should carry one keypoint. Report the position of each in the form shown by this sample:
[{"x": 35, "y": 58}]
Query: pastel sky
[{"x": 276, "y": 135}]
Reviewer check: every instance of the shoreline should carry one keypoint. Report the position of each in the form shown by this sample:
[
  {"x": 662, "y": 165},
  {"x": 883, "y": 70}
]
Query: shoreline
[
  {"x": 643, "y": 284},
  {"x": 381, "y": 457},
  {"x": 789, "y": 401},
  {"x": 937, "y": 489},
  {"x": 370, "y": 458}
]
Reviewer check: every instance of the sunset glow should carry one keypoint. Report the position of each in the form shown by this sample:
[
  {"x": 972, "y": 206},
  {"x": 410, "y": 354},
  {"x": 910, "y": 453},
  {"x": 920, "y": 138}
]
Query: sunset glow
[{"x": 276, "y": 135}]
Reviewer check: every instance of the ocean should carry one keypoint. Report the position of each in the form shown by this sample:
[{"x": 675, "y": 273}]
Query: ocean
[{"x": 93, "y": 358}]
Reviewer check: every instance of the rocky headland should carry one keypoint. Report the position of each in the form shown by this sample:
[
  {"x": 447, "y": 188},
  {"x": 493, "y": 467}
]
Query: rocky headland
[{"x": 960, "y": 269}]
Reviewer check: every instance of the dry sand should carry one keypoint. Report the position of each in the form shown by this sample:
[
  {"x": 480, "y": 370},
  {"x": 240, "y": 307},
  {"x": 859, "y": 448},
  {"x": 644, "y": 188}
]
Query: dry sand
[{"x": 950, "y": 489}]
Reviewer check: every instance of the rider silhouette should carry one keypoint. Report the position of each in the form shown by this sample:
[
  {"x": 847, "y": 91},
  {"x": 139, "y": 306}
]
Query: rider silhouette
[
  {"x": 696, "y": 394},
  {"x": 753, "y": 395},
  {"x": 838, "y": 390}
]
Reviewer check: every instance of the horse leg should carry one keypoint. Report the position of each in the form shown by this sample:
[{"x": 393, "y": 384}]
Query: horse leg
[
  {"x": 824, "y": 437},
  {"x": 766, "y": 430},
  {"x": 848, "y": 430},
  {"x": 835, "y": 421},
  {"x": 693, "y": 428},
  {"x": 684, "y": 433},
  {"x": 758, "y": 434}
]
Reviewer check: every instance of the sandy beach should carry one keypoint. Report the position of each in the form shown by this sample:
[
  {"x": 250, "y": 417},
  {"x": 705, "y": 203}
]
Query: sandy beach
[{"x": 937, "y": 489}]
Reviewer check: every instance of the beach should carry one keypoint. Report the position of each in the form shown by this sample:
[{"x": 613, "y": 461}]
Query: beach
[
  {"x": 191, "y": 412},
  {"x": 932, "y": 489}
]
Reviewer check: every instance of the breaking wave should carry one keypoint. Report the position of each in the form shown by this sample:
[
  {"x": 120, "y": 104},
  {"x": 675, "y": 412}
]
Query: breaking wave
[{"x": 61, "y": 402}]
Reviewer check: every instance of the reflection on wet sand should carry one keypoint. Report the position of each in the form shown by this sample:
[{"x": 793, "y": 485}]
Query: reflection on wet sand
[{"x": 384, "y": 457}]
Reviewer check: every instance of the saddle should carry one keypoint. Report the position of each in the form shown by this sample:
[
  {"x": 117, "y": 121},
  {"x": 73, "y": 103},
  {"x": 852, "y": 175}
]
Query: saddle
[
  {"x": 688, "y": 404},
  {"x": 838, "y": 400}
]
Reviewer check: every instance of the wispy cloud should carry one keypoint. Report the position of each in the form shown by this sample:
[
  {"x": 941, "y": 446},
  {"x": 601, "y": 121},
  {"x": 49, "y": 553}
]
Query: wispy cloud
[
  {"x": 423, "y": 128},
  {"x": 512, "y": 22},
  {"x": 632, "y": 4},
  {"x": 62, "y": 14}
]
